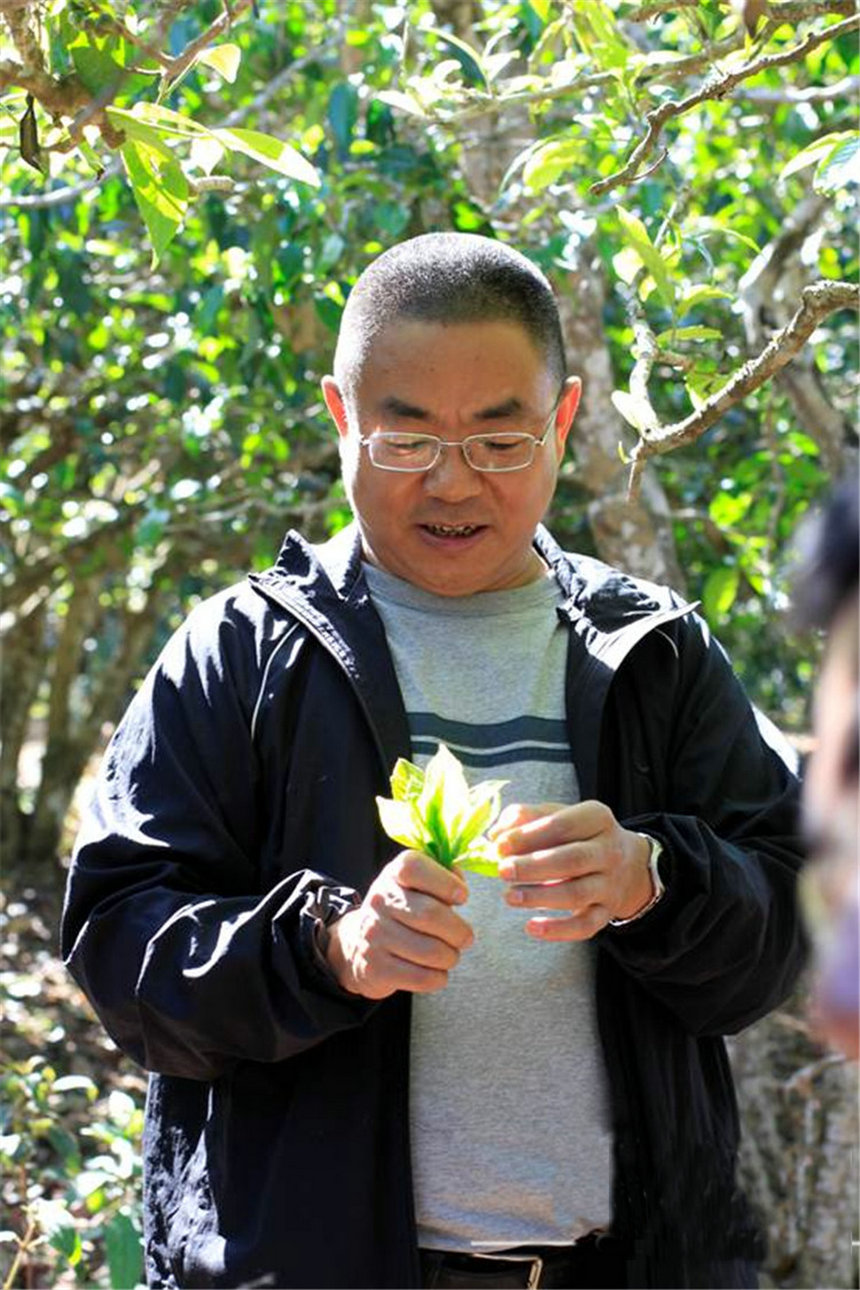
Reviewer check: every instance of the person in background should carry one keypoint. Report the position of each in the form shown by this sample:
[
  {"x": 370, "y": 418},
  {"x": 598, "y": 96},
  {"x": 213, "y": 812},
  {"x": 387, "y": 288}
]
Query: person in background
[
  {"x": 827, "y": 598},
  {"x": 365, "y": 1071}
]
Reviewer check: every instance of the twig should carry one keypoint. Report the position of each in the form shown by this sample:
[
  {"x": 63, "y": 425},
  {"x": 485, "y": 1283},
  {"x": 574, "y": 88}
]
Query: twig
[
  {"x": 818, "y": 300},
  {"x": 175, "y": 67},
  {"x": 715, "y": 89},
  {"x": 73, "y": 193},
  {"x": 788, "y": 95}
]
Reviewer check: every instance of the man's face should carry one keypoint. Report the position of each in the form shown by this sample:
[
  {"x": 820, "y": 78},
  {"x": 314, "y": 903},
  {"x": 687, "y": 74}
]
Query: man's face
[{"x": 453, "y": 530}]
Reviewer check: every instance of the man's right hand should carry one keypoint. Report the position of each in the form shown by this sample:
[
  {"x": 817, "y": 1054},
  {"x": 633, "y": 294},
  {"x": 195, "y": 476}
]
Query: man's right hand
[{"x": 405, "y": 935}]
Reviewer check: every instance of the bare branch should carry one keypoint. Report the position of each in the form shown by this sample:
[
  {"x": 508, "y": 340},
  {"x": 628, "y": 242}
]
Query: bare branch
[
  {"x": 818, "y": 301},
  {"x": 848, "y": 87},
  {"x": 647, "y": 11},
  {"x": 715, "y": 88}
]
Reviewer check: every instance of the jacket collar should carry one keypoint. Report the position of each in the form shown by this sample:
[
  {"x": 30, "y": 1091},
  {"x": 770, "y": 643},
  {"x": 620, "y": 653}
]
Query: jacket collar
[{"x": 610, "y": 611}]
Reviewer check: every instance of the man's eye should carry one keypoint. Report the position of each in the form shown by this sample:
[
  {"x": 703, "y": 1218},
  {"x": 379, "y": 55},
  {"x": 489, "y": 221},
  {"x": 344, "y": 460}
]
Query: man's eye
[
  {"x": 505, "y": 442},
  {"x": 405, "y": 444}
]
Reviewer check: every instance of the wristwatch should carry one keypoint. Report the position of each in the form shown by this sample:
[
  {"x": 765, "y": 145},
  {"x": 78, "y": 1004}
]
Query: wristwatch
[{"x": 657, "y": 886}]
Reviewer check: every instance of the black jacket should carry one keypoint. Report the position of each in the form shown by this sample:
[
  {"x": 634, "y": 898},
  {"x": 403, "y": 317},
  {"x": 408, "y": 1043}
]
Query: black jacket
[{"x": 235, "y": 811}]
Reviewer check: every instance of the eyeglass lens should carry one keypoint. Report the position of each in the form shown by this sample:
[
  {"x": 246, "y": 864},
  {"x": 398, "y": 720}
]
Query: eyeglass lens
[{"x": 497, "y": 452}]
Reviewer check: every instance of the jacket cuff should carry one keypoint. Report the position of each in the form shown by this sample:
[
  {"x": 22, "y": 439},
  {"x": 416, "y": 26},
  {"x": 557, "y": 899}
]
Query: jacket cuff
[{"x": 322, "y": 907}]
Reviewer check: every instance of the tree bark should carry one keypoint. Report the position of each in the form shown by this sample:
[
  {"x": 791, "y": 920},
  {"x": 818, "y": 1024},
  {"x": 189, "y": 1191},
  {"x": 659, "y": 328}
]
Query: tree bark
[{"x": 799, "y": 1149}]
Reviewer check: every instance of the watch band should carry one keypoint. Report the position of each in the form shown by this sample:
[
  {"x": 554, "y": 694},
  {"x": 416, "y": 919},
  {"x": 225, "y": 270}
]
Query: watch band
[{"x": 657, "y": 885}]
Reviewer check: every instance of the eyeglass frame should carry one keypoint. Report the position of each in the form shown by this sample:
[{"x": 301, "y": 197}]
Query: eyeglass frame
[{"x": 537, "y": 441}]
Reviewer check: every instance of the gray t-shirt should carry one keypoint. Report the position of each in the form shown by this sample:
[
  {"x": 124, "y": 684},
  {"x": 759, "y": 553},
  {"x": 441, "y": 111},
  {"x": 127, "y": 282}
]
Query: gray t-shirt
[{"x": 510, "y": 1137}]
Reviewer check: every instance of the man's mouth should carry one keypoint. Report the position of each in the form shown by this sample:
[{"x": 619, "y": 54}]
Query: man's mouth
[{"x": 452, "y": 530}]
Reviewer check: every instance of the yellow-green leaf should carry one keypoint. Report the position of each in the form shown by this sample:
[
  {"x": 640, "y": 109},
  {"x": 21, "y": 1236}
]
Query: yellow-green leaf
[
  {"x": 279, "y": 156},
  {"x": 160, "y": 190},
  {"x": 223, "y": 59},
  {"x": 637, "y": 237},
  {"x": 816, "y": 151}
]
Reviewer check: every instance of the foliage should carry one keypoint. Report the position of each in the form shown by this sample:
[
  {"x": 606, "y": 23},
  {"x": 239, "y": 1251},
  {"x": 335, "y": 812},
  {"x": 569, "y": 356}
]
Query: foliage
[
  {"x": 435, "y": 811},
  {"x": 691, "y": 168},
  {"x": 162, "y": 425},
  {"x": 69, "y": 1138}
]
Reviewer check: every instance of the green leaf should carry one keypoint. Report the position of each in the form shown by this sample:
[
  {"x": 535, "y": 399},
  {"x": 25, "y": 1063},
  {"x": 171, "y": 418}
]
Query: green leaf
[
  {"x": 697, "y": 295},
  {"x": 163, "y": 120},
  {"x": 674, "y": 334},
  {"x": 816, "y": 151},
  {"x": 402, "y": 822},
  {"x": 839, "y": 168},
  {"x": 405, "y": 102},
  {"x": 343, "y": 114},
  {"x": 278, "y": 156},
  {"x": 708, "y": 224},
  {"x": 720, "y": 590},
  {"x": 436, "y": 812},
  {"x": 407, "y": 780},
  {"x": 551, "y": 160},
  {"x": 637, "y": 237},
  {"x": 160, "y": 190},
  {"x": 223, "y": 59},
  {"x": 468, "y": 58},
  {"x": 95, "y": 61},
  {"x": 124, "y": 1253}
]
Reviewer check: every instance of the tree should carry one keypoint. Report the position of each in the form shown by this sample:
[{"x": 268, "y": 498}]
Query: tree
[{"x": 686, "y": 173}]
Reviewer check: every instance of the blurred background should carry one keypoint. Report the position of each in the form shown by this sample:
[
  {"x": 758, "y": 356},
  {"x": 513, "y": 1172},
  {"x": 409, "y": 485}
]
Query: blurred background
[{"x": 187, "y": 193}]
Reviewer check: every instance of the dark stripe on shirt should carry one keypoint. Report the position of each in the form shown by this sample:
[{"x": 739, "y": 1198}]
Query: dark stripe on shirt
[{"x": 499, "y": 743}]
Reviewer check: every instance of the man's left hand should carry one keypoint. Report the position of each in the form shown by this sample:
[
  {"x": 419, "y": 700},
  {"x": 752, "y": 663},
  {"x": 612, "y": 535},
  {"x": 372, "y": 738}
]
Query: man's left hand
[{"x": 576, "y": 859}]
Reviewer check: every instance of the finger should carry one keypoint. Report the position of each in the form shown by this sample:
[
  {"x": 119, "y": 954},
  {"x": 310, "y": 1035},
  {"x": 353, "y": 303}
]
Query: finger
[
  {"x": 558, "y": 864},
  {"x": 569, "y": 929},
  {"x": 418, "y": 872},
  {"x": 518, "y": 813},
  {"x": 379, "y": 981},
  {"x": 576, "y": 896},
  {"x": 414, "y": 978},
  {"x": 576, "y": 823},
  {"x": 418, "y": 912},
  {"x": 424, "y": 951}
]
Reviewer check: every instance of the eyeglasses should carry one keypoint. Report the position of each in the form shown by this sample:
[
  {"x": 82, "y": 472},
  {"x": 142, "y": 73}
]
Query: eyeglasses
[{"x": 488, "y": 453}]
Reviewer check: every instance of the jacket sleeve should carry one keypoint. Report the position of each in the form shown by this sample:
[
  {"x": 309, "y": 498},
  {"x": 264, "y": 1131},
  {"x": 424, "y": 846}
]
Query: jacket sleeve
[
  {"x": 725, "y": 944},
  {"x": 190, "y": 965}
]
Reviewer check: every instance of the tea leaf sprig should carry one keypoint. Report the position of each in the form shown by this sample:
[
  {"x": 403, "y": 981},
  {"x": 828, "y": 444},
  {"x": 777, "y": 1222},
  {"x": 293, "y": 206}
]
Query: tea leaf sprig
[{"x": 436, "y": 812}]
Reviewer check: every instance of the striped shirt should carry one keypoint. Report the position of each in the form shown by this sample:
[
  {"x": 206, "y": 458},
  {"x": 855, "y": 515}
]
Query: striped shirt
[{"x": 510, "y": 1143}]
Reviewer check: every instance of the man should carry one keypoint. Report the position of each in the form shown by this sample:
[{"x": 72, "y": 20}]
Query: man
[
  {"x": 368, "y": 1072},
  {"x": 827, "y": 597}
]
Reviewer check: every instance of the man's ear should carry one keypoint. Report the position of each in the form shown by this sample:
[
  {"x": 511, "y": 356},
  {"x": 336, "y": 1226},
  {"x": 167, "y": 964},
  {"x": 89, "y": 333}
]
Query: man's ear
[
  {"x": 567, "y": 409},
  {"x": 334, "y": 401}
]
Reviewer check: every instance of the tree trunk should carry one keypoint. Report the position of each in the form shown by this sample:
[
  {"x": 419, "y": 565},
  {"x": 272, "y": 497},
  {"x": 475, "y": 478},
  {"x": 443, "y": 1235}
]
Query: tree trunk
[
  {"x": 23, "y": 666},
  {"x": 799, "y": 1149}
]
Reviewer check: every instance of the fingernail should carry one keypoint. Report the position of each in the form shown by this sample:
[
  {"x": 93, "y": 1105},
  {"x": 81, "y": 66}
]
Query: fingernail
[
  {"x": 515, "y": 896},
  {"x": 507, "y": 870}
]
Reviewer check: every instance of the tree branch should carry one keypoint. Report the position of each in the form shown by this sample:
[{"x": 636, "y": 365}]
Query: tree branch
[
  {"x": 72, "y": 193},
  {"x": 817, "y": 302},
  {"x": 715, "y": 88},
  {"x": 789, "y": 94}
]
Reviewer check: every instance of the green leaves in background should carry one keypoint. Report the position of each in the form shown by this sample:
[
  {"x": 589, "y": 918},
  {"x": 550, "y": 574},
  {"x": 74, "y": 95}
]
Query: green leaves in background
[{"x": 836, "y": 158}]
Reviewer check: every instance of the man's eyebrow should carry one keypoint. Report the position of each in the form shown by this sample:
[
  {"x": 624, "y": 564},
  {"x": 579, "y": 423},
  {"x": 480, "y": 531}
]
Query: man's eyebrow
[
  {"x": 509, "y": 408},
  {"x": 400, "y": 408}
]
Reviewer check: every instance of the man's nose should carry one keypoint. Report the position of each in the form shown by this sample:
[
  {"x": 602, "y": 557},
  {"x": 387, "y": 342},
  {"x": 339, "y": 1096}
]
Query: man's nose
[{"x": 452, "y": 478}]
